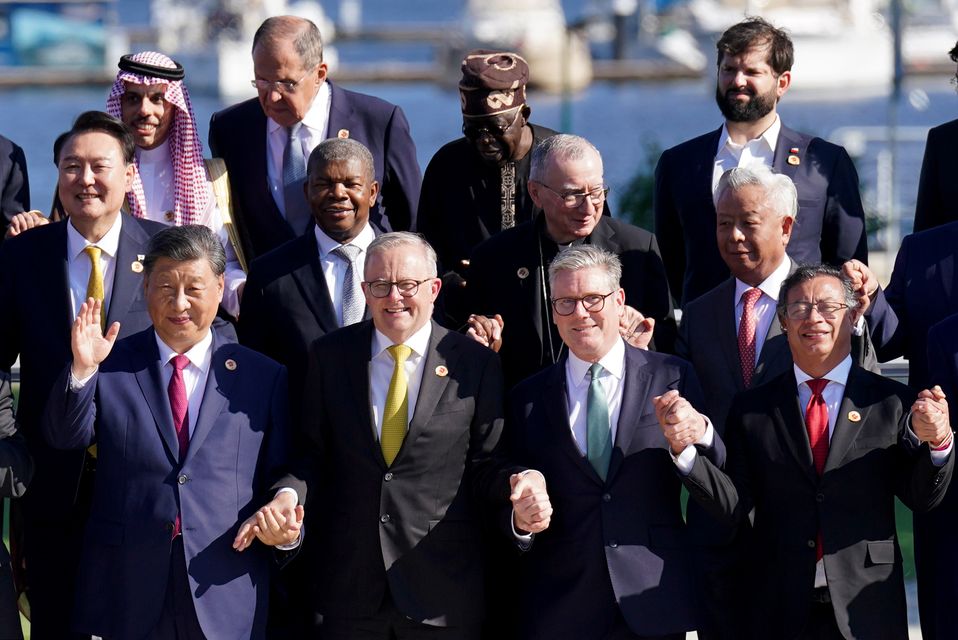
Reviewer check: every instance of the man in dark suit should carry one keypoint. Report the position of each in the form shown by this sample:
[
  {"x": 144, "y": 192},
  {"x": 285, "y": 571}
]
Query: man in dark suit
[
  {"x": 14, "y": 186},
  {"x": 507, "y": 274},
  {"x": 266, "y": 141},
  {"x": 937, "y": 188},
  {"x": 190, "y": 430},
  {"x": 310, "y": 286},
  {"x": 44, "y": 277},
  {"x": 820, "y": 453},
  {"x": 615, "y": 562},
  {"x": 401, "y": 420},
  {"x": 754, "y": 72}
]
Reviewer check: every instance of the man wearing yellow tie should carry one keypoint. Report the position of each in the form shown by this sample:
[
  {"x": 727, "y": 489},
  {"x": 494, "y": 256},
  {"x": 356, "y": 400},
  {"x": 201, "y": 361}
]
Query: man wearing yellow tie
[
  {"x": 45, "y": 276},
  {"x": 402, "y": 418}
]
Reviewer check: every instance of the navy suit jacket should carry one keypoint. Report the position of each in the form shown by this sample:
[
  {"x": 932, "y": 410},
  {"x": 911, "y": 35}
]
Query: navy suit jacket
[
  {"x": 937, "y": 187},
  {"x": 237, "y": 445},
  {"x": 238, "y": 135},
  {"x": 830, "y": 226},
  {"x": 14, "y": 186},
  {"x": 626, "y": 532}
]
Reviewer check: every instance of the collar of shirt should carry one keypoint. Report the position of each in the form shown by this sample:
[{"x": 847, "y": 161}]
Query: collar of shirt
[
  {"x": 316, "y": 119},
  {"x": 839, "y": 374},
  {"x": 769, "y": 136},
  {"x": 418, "y": 342},
  {"x": 771, "y": 286},
  {"x": 577, "y": 370},
  {"x": 108, "y": 244},
  {"x": 200, "y": 354},
  {"x": 159, "y": 155},
  {"x": 327, "y": 244}
]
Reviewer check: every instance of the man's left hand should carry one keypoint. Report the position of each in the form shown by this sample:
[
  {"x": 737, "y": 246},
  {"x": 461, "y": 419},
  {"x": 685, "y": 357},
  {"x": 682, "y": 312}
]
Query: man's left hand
[
  {"x": 929, "y": 417},
  {"x": 681, "y": 424},
  {"x": 279, "y": 522}
]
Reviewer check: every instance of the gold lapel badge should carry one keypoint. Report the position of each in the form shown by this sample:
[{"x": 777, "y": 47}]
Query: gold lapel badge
[
  {"x": 794, "y": 160},
  {"x": 523, "y": 273},
  {"x": 136, "y": 266},
  {"x": 343, "y": 133},
  {"x": 442, "y": 371},
  {"x": 854, "y": 416},
  {"x": 230, "y": 364}
]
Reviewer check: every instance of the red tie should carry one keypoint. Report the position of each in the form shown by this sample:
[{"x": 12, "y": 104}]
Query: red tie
[
  {"x": 816, "y": 421},
  {"x": 746, "y": 335},
  {"x": 180, "y": 407}
]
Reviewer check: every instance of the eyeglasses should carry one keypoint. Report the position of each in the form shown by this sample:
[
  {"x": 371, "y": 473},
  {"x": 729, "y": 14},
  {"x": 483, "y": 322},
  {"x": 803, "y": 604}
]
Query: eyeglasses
[
  {"x": 802, "y": 310},
  {"x": 382, "y": 288},
  {"x": 284, "y": 87},
  {"x": 474, "y": 132},
  {"x": 574, "y": 200},
  {"x": 593, "y": 303}
]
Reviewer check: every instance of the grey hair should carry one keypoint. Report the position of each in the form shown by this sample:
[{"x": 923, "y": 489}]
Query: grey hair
[
  {"x": 307, "y": 41},
  {"x": 181, "y": 244},
  {"x": 780, "y": 194},
  {"x": 342, "y": 150},
  {"x": 807, "y": 272},
  {"x": 587, "y": 256},
  {"x": 397, "y": 239},
  {"x": 564, "y": 145}
]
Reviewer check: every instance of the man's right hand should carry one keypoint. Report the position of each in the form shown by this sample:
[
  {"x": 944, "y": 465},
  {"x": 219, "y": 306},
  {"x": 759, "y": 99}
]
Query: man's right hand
[
  {"x": 25, "y": 220},
  {"x": 864, "y": 282},
  {"x": 486, "y": 331},
  {"x": 531, "y": 508},
  {"x": 90, "y": 346}
]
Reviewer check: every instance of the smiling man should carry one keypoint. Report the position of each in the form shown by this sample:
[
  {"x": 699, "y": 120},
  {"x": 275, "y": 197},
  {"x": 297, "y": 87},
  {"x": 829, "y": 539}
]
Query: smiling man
[
  {"x": 754, "y": 73},
  {"x": 266, "y": 140}
]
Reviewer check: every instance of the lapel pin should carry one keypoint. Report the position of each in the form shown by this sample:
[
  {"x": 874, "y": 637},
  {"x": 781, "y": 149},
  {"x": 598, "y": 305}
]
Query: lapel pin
[
  {"x": 793, "y": 150},
  {"x": 523, "y": 273},
  {"x": 136, "y": 266},
  {"x": 343, "y": 133},
  {"x": 854, "y": 416},
  {"x": 230, "y": 364},
  {"x": 794, "y": 160},
  {"x": 442, "y": 371}
]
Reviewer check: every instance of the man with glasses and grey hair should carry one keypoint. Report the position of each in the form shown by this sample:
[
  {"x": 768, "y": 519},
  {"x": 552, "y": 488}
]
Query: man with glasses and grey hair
[
  {"x": 265, "y": 141},
  {"x": 615, "y": 563},
  {"x": 507, "y": 274},
  {"x": 820, "y": 453}
]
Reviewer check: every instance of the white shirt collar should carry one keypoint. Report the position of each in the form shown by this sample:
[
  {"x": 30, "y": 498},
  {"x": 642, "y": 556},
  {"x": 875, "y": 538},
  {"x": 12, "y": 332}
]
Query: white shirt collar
[
  {"x": 418, "y": 342},
  {"x": 316, "y": 117},
  {"x": 769, "y": 136},
  {"x": 839, "y": 374},
  {"x": 108, "y": 244},
  {"x": 771, "y": 286},
  {"x": 613, "y": 362},
  {"x": 200, "y": 354},
  {"x": 327, "y": 244},
  {"x": 157, "y": 156}
]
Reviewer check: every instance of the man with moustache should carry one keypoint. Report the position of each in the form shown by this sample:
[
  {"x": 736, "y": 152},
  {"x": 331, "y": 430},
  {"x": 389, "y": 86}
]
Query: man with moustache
[
  {"x": 754, "y": 73},
  {"x": 45, "y": 275},
  {"x": 266, "y": 141}
]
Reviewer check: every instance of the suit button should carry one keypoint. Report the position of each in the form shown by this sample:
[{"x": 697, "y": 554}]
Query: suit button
[
  {"x": 606, "y": 497},
  {"x": 613, "y": 543},
  {"x": 384, "y": 518},
  {"x": 811, "y": 544},
  {"x": 183, "y": 478},
  {"x": 819, "y": 497},
  {"x": 388, "y": 476}
]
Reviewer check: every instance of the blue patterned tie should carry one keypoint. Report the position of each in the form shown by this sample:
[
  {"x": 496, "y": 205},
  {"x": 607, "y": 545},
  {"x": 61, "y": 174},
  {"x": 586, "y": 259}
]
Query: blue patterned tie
[
  {"x": 598, "y": 428},
  {"x": 353, "y": 303},
  {"x": 294, "y": 176}
]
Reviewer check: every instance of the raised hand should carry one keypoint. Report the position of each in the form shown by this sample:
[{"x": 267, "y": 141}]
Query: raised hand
[
  {"x": 90, "y": 346},
  {"x": 531, "y": 508},
  {"x": 486, "y": 331},
  {"x": 635, "y": 327},
  {"x": 680, "y": 422},
  {"x": 929, "y": 417}
]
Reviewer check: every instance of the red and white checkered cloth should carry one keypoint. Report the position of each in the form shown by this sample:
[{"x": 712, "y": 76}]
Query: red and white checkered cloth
[{"x": 191, "y": 194}]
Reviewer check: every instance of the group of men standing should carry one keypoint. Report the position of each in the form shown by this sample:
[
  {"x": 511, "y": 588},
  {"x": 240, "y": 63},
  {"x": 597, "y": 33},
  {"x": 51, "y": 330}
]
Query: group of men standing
[{"x": 394, "y": 409}]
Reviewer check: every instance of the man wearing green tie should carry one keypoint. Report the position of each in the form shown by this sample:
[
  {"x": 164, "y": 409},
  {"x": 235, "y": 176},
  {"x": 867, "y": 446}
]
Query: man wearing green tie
[{"x": 401, "y": 419}]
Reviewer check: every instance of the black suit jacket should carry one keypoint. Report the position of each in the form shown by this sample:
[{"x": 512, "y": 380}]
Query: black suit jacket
[
  {"x": 618, "y": 543},
  {"x": 238, "y": 135},
  {"x": 410, "y": 528},
  {"x": 830, "y": 226},
  {"x": 937, "y": 187},
  {"x": 16, "y": 469},
  {"x": 870, "y": 461},
  {"x": 14, "y": 186},
  {"x": 506, "y": 277}
]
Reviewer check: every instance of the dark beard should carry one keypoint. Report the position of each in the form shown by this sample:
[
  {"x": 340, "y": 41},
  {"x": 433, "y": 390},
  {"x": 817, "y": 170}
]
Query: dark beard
[{"x": 736, "y": 111}]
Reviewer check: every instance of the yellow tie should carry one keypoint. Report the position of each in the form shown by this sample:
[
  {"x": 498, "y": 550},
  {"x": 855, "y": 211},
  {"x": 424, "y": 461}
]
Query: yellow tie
[
  {"x": 94, "y": 288},
  {"x": 396, "y": 411}
]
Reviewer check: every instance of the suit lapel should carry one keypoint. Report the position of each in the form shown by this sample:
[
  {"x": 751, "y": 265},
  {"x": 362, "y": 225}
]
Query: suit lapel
[
  {"x": 357, "y": 379},
  {"x": 846, "y": 430},
  {"x": 788, "y": 418},
  {"x": 774, "y": 350},
  {"x": 340, "y": 112},
  {"x": 127, "y": 282},
  {"x": 60, "y": 277},
  {"x": 727, "y": 335},
  {"x": 433, "y": 385},
  {"x": 700, "y": 177},
  {"x": 787, "y": 140},
  {"x": 312, "y": 283},
  {"x": 556, "y": 404},
  {"x": 216, "y": 393},
  {"x": 635, "y": 396},
  {"x": 149, "y": 377}
]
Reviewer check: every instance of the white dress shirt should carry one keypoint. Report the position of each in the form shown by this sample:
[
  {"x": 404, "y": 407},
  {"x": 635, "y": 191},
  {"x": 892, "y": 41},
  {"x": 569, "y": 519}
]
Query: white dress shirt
[
  {"x": 760, "y": 150},
  {"x": 195, "y": 373},
  {"x": 80, "y": 266},
  {"x": 334, "y": 267},
  {"x": 764, "y": 306},
  {"x": 612, "y": 381},
  {"x": 381, "y": 372},
  {"x": 313, "y": 131}
]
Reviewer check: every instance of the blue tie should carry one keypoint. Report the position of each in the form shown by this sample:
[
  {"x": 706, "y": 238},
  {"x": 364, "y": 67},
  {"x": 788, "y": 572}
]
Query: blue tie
[
  {"x": 598, "y": 429},
  {"x": 294, "y": 176}
]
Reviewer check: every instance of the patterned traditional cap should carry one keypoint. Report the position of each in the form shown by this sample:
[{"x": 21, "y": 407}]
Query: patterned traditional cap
[
  {"x": 191, "y": 196},
  {"x": 492, "y": 82}
]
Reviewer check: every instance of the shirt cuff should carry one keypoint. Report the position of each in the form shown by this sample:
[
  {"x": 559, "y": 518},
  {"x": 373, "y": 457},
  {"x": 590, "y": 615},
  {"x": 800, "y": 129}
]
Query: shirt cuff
[
  {"x": 686, "y": 460},
  {"x": 524, "y": 539},
  {"x": 938, "y": 456},
  {"x": 298, "y": 541},
  {"x": 235, "y": 277},
  {"x": 76, "y": 384},
  {"x": 859, "y": 328}
]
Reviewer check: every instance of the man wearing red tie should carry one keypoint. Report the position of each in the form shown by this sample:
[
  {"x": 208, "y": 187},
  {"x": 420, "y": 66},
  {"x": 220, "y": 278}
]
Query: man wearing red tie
[{"x": 820, "y": 452}]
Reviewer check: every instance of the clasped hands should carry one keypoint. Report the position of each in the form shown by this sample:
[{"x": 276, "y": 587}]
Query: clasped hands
[
  {"x": 279, "y": 522},
  {"x": 929, "y": 418},
  {"x": 681, "y": 424},
  {"x": 531, "y": 509}
]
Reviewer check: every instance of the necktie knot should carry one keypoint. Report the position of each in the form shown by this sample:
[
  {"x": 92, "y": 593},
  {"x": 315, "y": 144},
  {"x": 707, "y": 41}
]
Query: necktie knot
[
  {"x": 751, "y": 296},
  {"x": 399, "y": 352},
  {"x": 93, "y": 251},
  {"x": 180, "y": 362},
  {"x": 293, "y": 130},
  {"x": 595, "y": 371},
  {"x": 347, "y": 252},
  {"x": 817, "y": 386}
]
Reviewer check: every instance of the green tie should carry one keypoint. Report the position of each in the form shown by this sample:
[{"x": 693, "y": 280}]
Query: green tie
[
  {"x": 94, "y": 287},
  {"x": 396, "y": 411},
  {"x": 598, "y": 430}
]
